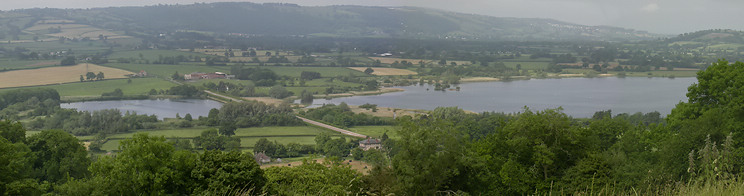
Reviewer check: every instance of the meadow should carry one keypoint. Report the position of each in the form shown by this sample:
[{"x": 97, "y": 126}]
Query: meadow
[
  {"x": 166, "y": 71},
  {"x": 139, "y": 86},
  {"x": 324, "y": 71},
  {"x": 11, "y": 64},
  {"x": 383, "y": 71},
  {"x": 152, "y": 55},
  {"x": 248, "y": 136},
  {"x": 376, "y": 131},
  {"x": 55, "y": 75}
]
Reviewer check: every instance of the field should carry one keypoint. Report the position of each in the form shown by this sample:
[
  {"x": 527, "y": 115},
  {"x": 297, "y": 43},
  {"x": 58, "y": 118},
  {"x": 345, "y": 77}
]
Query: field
[
  {"x": 166, "y": 71},
  {"x": 381, "y": 71},
  {"x": 55, "y": 75},
  {"x": 391, "y": 60},
  {"x": 376, "y": 131},
  {"x": 139, "y": 86},
  {"x": 324, "y": 71},
  {"x": 527, "y": 65},
  {"x": 152, "y": 55},
  {"x": 11, "y": 64},
  {"x": 248, "y": 136},
  {"x": 73, "y": 31}
]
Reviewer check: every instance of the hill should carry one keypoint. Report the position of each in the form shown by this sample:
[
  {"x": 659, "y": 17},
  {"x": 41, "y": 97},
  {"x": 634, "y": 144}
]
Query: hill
[{"x": 345, "y": 21}]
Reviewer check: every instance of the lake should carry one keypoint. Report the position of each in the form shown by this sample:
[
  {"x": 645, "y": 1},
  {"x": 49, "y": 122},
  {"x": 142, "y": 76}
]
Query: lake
[
  {"x": 579, "y": 97},
  {"x": 162, "y": 108}
]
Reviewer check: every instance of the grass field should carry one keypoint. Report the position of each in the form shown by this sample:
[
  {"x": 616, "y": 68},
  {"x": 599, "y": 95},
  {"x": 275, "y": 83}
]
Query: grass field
[
  {"x": 138, "y": 86},
  {"x": 391, "y": 60},
  {"x": 55, "y": 75},
  {"x": 31, "y": 64},
  {"x": 381, "y": 71},
  {"x": 376, "y": 131},
  {"x": 528, "y": 65},
  {"x": 152, "y": 55},
  {"x": 324, "y": 71},
  {"x": 167, "y": 70},
  {"x": 248, "y": 136}
]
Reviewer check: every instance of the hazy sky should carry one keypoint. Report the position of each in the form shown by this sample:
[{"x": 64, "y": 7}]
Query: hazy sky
[{"x": 658, "y": 16}]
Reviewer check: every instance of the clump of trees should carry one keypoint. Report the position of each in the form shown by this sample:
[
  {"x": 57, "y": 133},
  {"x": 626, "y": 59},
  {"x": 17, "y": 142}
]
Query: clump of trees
[
  {"x": 252, "y": 114},
  {"x": 185, "y": 90},
  {"x": 341, "y": 115}
]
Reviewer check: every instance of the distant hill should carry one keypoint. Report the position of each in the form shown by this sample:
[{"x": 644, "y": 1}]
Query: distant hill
[{"x": 345, "y": 21}]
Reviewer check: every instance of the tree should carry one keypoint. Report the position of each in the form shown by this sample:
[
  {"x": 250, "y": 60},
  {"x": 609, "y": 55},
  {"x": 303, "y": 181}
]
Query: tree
[
  {"x": 176, "y": 76},
  {"x": 224, "y": 173},
  {"x": 58, "y": 156},
  {"x": 90, "y": 76},
  {"x": 69, "y": 60},
  {"x": 228, "y": 129},
  {"x": 99, "y": 76},
  {"x": 213, "y": 118},
  {"x": 279, "y": 92},
  {"x": 265, "y": 146},
  {"x": 306, "y": 97},
  {"x": 309, "y": 75},
  {"x": 159, "y": 168},
  {"x": 210, "y": 139},
  {"x": 369, "y": 70},
  {"x": 312, "y": 178},
  {"x": 188, "y": 117},
  {"x": 81, "y": 78}
]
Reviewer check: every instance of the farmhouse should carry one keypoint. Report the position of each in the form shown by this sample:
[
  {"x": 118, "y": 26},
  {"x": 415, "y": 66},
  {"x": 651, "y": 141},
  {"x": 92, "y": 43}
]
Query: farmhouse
[
  {"x": 199, "y": 75},
  {"x": 261, "y": 158},
  {"x": 370, "y": 143}
]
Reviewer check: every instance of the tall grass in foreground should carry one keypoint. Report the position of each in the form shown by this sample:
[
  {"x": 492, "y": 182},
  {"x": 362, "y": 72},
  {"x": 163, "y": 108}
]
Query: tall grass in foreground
[{"x": 693, "y": 188}]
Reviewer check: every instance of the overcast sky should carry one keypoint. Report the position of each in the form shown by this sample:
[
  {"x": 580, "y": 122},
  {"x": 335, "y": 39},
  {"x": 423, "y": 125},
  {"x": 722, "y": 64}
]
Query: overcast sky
[{"x": 657, "y": 16}]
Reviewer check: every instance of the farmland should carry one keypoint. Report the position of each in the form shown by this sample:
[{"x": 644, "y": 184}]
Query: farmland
[
  {"x": 248, "y": 136},
  {"x": 382, "y": 71},
  {"x": 165, "y": 71},
  {"x": 55, "y": 75}
]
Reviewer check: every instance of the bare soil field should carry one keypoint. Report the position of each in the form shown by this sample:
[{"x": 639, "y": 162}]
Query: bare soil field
[
  {"x": 381, "y": 71},
  {"x": 55, "y": 75}
]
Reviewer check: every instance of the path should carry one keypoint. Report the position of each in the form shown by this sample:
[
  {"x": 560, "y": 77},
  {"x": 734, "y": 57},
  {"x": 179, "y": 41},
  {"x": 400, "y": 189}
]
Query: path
[
  {"x": 342, "y": 131},
  {"x": 345, "y": 132},
  {"x": 222, "y": 96}
]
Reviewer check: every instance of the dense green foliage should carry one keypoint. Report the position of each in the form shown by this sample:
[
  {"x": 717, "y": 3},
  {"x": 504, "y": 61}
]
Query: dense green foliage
[
  {"x": 21, "y": 95},
  {"x": 88, "y": 123},
  {"x": 253, "y": 114},
  {"x": 341, "y": 115}
]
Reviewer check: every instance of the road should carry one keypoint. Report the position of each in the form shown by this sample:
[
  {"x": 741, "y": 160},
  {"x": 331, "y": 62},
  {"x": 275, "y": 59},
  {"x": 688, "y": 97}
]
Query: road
[
  {"x": 222, "y": 96},
  {"x": 342, "y": 131}
]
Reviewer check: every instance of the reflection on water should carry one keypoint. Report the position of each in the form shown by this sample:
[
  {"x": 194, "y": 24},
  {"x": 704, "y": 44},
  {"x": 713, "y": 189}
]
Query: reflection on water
[
  {"x": 163, "y": 108},
  {"x": 579, "y": 97}
]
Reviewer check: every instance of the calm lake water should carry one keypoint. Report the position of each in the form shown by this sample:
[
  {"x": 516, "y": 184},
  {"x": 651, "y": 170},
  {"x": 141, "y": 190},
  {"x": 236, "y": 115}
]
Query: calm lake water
[
  {"x": 579, "y": 97},
  {"x": 162, "y": 108}
]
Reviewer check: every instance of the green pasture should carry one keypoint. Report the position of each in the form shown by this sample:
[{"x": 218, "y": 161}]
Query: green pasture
[
  {"x": 168, "y": 70},
  {"x": 324, "y": 71},
  {"x": 11, "y": 64},
  {"x": 152, "y": 55},
  {"x": 248, "y": 136},
  {"x": 376, "y": 131},
  {"x": 527, "y": 65},
  {"x": 139, "y": 86}
]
